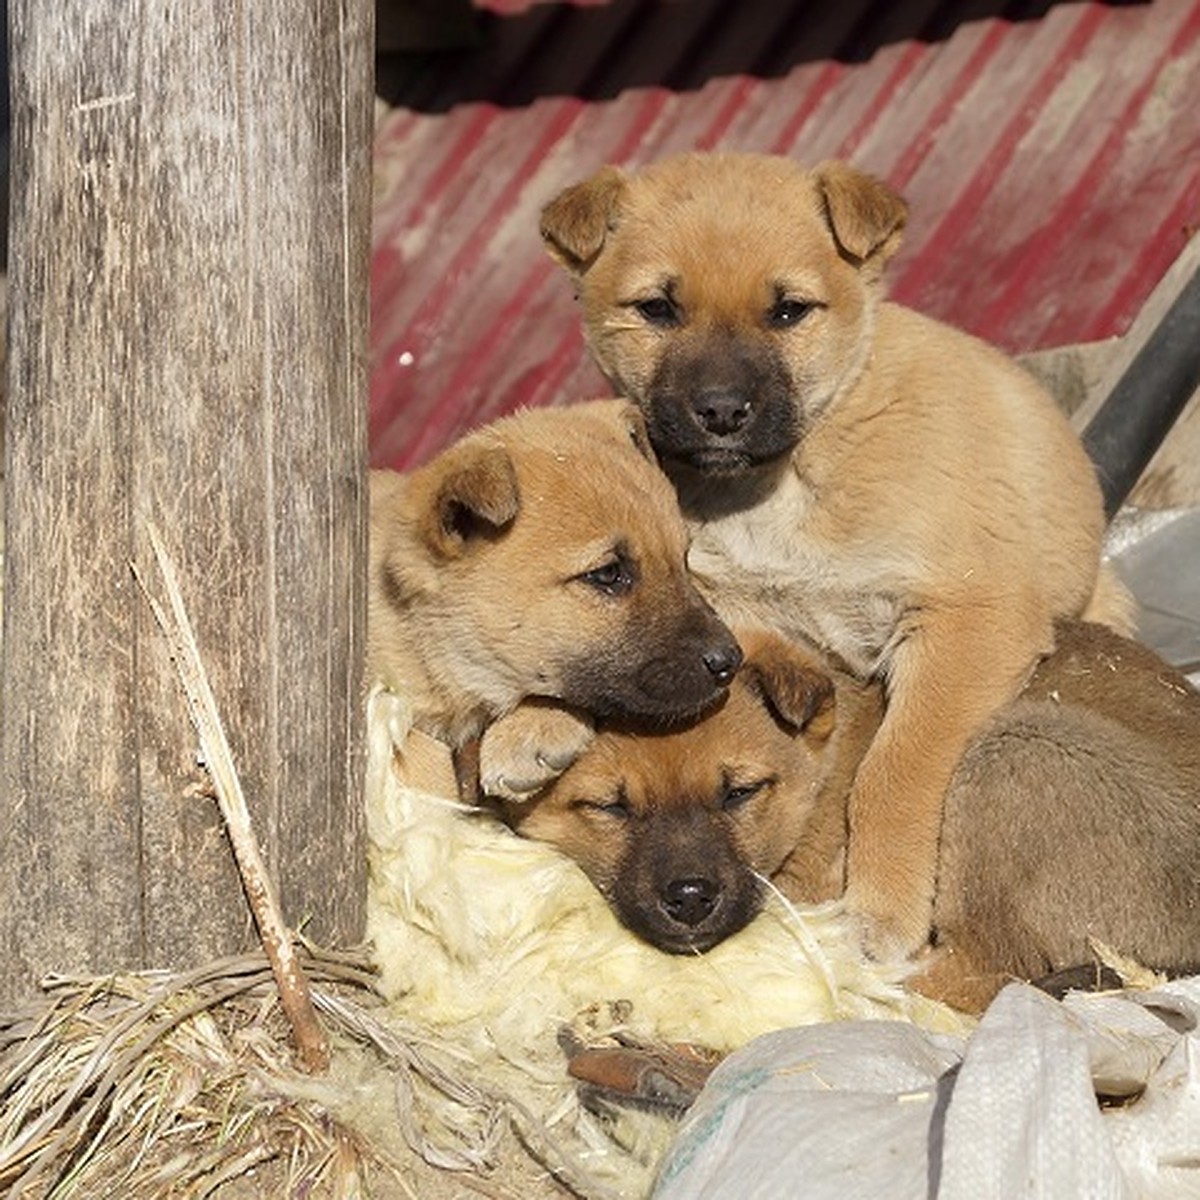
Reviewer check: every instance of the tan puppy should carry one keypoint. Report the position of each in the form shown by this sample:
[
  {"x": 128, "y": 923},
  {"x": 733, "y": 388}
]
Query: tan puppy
[
  {"x": 540, "y": 556},
  {"x": 854, "y": 473},
  {"x": 679, "y": 830},
  {"x": 1072, "y": 822}
]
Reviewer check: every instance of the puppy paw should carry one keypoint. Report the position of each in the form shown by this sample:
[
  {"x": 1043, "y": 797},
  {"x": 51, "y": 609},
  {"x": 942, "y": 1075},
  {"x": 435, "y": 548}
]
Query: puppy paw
[
  {"x": 889, "y": 933},
  {"x": 530, "y": 747}
]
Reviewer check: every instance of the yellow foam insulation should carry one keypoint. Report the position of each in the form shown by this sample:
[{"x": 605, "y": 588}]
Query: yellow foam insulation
[{"x": 496, "y": 942}]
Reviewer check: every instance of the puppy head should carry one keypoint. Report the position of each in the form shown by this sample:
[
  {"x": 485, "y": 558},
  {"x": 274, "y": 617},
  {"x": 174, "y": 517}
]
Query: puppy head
[
  {"x": 730, "y": 294},
  {"x": 544, "y": 556},
  {"x": 677, "y": 829}
]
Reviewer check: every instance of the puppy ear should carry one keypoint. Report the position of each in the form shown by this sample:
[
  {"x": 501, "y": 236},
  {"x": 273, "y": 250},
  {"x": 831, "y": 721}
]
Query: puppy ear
[
  {"x": 866, "y": 216},
  {"x": 792, "y": 683},
  {"x": 476, "y": 496},
  {"x": 575, "y": 223}
]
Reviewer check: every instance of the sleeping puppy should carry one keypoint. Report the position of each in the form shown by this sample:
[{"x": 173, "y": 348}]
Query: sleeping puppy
[
  {"x": 855, "y": 474},
  {"x": 1071, "y": 824},
  {"x": 680, "y": 829},
  {"x": 541, "y": 556}
]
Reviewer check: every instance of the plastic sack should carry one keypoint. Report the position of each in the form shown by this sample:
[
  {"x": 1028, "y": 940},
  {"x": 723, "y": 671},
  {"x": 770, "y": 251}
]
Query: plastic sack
[{"x": 863, "y": 1110}]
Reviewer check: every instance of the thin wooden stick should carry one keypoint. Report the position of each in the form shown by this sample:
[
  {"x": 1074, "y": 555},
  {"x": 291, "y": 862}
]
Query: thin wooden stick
[{"x": 312, "y": 1046}]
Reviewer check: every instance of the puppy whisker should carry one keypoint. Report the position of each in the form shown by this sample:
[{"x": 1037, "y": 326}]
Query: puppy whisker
[{"x": 809, "y": 945}]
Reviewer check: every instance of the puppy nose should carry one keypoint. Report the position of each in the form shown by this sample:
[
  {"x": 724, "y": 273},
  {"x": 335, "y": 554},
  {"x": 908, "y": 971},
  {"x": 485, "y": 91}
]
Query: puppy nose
[
  {"x": 723, "y": 662},
  {"x": 690, "y": 901},
  {"x": 721, "y": 410}
]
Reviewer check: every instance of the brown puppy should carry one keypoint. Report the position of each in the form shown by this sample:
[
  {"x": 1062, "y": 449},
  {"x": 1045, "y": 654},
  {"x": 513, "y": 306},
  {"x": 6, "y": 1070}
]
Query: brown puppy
[
  {"x": 855, "y": 474},
  {"x": 540, "y": 556},
  {"x": 678, "y": 830},
  {"x": 1072, "y": 823}
]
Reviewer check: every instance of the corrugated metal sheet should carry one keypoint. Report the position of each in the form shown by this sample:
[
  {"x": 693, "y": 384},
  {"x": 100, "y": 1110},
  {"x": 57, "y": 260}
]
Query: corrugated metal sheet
[{"x": 1050, "y": 153}]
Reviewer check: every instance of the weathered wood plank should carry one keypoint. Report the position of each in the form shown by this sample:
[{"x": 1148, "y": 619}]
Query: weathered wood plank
[{"x": 188, "y": 291}]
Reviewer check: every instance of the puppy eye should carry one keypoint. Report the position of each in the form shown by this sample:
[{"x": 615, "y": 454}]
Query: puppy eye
[
  {"x": 613, "y": 578},
  {"x": 734, "y": 795},
  {"x": 610, "y": 808},
  {"x": 785, "y": 313},
  {"x": 659, "y": 310}
]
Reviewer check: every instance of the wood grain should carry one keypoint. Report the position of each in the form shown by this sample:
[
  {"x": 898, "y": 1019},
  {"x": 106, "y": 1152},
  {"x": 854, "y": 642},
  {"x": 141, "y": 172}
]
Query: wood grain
[{"x": 188, "y": 268}]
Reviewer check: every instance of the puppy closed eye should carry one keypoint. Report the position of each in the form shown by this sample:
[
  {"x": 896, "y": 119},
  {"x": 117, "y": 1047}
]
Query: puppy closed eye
[
  {"x": 734, "y": 795},
  {"x": 618, "y": 809}
]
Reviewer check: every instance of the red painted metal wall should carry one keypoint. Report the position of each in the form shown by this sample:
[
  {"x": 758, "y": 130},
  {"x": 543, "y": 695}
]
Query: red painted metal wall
[{"x": 1050, "y": 153}]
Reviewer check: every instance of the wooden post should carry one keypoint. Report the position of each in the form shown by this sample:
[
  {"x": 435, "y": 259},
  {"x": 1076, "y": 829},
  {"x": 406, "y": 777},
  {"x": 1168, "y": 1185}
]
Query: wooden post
[{"x": 188, "y": 307}]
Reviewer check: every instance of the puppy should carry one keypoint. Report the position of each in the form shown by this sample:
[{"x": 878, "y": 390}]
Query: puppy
[
  {"x": 680, "y": 829},
  {"x": 542, "y": 556},
  {"x": 1071, "y": 825},
  {"x": 855, "y": 474}
]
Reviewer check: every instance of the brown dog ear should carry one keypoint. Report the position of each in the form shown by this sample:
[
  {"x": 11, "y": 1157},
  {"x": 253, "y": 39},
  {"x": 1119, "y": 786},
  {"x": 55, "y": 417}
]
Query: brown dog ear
[
  {"x": 575, "y": 223},
  {"x": 791, "y": 683},
  {"x": 866, "y": 216},
  {"x": 476, "y": 496}
]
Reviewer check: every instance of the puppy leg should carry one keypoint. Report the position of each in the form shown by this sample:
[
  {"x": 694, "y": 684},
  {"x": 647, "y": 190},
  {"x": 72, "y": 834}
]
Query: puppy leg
[
  {"x": 952, "y": 669},
  {"x": 424, "y": 764},
  {"x": 530, "y": 747},
  {"x": 816, "y": 869}
]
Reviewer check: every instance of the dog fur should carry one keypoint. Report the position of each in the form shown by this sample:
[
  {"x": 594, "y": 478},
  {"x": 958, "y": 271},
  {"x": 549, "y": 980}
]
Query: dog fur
[
  {"x": 854, "y": 473},
  {"x": 679, "y": 829},
  {"x": 1071, "y": 824},
  {"x": 542, "y": 556}
]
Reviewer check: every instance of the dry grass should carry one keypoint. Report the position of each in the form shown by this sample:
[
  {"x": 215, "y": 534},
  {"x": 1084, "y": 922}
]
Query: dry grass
[
  {"x": 151, "y": 1085},
  {"x": 208, "y": 1083}
]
